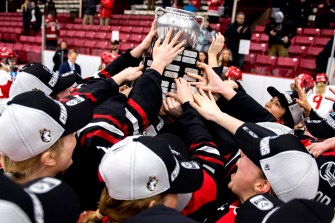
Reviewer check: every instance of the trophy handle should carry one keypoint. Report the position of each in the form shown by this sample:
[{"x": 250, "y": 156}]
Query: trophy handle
[
  {"x": 202, "y": 20},
  {"x": 157, "y": 10}
]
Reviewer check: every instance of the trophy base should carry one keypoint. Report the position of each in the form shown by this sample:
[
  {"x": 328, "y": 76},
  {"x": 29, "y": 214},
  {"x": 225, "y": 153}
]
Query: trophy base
[{"x": 182, "y": 64}]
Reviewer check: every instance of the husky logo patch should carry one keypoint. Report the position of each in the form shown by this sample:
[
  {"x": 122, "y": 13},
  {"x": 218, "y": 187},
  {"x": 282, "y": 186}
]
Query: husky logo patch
[
  {"x": 151, "y": 185},
  {"x": 45, "y": 135}
]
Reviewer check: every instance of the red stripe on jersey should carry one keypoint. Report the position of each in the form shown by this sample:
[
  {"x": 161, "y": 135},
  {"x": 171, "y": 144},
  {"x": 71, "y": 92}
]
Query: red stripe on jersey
[
  {"x": 87, "y": 95},
  {"x": 204, "y": 195},
  {"x": 105, "y": 73},
  {"x": 104, "y": 135},
  {"x": 140, "y": 111},
  {"x": 110, "y": 118},
  {"x": 209, "y": 159},
  {"x": 328, "y": 153}
]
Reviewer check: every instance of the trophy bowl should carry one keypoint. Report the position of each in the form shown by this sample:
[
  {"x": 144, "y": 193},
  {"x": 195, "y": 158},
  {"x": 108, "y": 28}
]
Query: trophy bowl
[{"x": 178, "y": 20}]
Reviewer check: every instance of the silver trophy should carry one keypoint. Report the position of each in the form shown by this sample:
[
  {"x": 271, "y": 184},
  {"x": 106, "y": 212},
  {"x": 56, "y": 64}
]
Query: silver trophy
[{"x": 179, "y": 20}]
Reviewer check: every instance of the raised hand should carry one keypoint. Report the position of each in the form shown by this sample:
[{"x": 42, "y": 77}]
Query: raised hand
[
  {"x": 318, "y": 148},
  {"x": 163, "y": 54},
  {"x": 302, "y": 101},
  {"x": 183, "y": 92},
  {"x": 217, "y": 44},
  {"x": 128, "y": 74},
  {"x": 206, "y": 105},
  {"x": 146, "y": 43},
  {"x": 172, "y": 106}
]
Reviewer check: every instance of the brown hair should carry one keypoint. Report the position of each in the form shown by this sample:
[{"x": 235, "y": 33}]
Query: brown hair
[
  {"x": 119, "y": 210},
  {"x": 21, "y": 171}
]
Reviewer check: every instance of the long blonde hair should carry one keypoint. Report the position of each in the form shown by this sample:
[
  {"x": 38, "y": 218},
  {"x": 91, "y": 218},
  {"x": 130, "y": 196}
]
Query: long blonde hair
[
  {"x": 118, "y": 210},
  {"x": 220, "y": 60},
  {"x": 21, "y": 171}
]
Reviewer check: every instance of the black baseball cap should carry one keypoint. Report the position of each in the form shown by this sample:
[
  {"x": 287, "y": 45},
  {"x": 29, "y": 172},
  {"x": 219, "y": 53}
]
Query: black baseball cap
[
  {"x": 286, "y": 163},
  {"x": 269, "y": 209},
  {"x": 143, "y": 166},
  {"x": 42, "y": 200},
  {"x": 322, "y": 129},
  {"x": 32, "y": 122},
  {"x": 293, "y": 114},
  {"x": 36, "y": 76}
]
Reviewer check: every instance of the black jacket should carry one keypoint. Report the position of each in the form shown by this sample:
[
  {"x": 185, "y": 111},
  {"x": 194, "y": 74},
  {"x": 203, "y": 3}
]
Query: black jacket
[
  {"x": 286, "y": 28},
  {"x": 59, "y": 58}
]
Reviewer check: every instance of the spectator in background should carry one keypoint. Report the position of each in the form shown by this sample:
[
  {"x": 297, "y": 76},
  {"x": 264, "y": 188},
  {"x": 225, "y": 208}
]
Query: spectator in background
[
  {"x": 280, "y": 31},
  {"x": 301, "y": 10},
  {"x": 151, "y": 4},
  {"x": 225, "y": 60},
  {"x": 52, "y": 30},
  {"x": 60, "y": 56},
  {"x": 50, "y": 6},
  {"x": 36, "y": 18},
  {"x": 26, "y": 15},
  {"x": 115, "y": 47},
  {"x": 203, "y": 57},
  {"x": 90, "y": 8},
  {"x": 235, "y": 32},
  {"x": 106, "y": 12},
  {"x": 205, "y": 37},
  {"x": 70, "y": 64}
]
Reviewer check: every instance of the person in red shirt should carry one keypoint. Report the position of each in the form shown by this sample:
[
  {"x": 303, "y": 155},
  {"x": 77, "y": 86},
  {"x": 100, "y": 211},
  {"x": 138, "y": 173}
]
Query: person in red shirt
[
  {"x": 52, "y": 30},
  {"x": 106, "y": 12}
]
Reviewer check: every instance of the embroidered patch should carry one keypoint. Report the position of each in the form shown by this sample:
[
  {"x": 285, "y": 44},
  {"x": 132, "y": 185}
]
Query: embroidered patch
[
  {"x": 45, "y": 135},
  {"x": 152, "y": 183},
  {"x": 261, "y": 202}
]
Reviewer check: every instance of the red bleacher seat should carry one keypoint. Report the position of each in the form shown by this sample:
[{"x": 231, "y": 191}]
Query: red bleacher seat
[
  {"x": 86, "y": 27},
  {"x": 307, "y": 66},
  {"x": 125, "y": 46},
  {"x": 101, "y": 44},
  {"x": 264, "y": 64},
  {"x": 71, "y": 33},
  {"x": 116, "y": 16},
  {"x": 62, "y": 32},
  {"x": 258, "y": 48},
  {"x": 311, "y": 32},
  {"x": 248, "y": 62},
  {"x": 105, "y": 28},
  {"x": 304, "y": 40},
  {"x": 328, "y": 33},
  {"x": 255, "y": 37},
  {"x": 264, "y": 38},
  {"x": 215, "y": 26},
  {"x": 23, "y": 39},
  {"x": 97, "y": 52},
  {"x": 144, "y": 23},
  {"x": 114, "y": 22},
  {"x": 100, "y": 35},
  {"x": 321, "y": 41},
  {"x": 133, "y": 23},
  {"x": 146, "y": 30},
  {"x": 77, "y": 26},
  {"x": 126, "y": 29},
  {"x": 123, "y": 37},
  {"x": 78, "y": 42},
  {"x": 259, "y": 29},
  {"x": 312, "y": 52},
  {"x": 286, "y": 67},
  {"x": 297, "y": 51},
  {"x": 134, "y": 17},
  {"x": 135, "y": 38},
  {"x": 80, "y": 34},
  {"x": 78, "y": 20},
  {"x": 69, "y": 26},
  {"x": 117, "y": 28},
  {"x": 123, "y": 22},
  {"x": 137, "y": 30},
  {"x": 299, "y": 31},
  {"x": 90, "y": 34}
]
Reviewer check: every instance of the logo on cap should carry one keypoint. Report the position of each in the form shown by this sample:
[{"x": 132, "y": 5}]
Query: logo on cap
[
  {"x": 327, "y": 172},
  {"x": 152, "y": 183},
  {"x": 45, "y": 135},
  {"x": 261, "y": 202}
]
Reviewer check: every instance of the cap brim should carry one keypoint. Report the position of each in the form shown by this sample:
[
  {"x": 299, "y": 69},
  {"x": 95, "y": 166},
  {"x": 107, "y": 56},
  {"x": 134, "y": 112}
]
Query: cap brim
[
  {"x": 274, "y": 92},
  {"x": 79, "y": 114},
  {"x": 65, "y": 81},
  {"x": 190, "y": 176},
  {"x": 248, "y": 137},
  {"x": 319, "y": 129}
]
